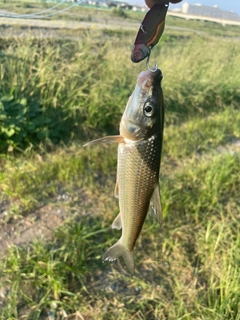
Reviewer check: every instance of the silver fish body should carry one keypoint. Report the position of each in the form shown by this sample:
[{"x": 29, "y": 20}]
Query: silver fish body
[{"x": 139, "y": 156}]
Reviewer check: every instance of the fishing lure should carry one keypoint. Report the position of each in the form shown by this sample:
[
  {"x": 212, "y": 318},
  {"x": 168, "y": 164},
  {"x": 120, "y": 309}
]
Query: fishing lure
[{"x": 150, "y": 31}]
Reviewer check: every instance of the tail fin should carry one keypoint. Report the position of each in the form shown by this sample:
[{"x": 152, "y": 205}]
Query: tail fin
[{"x": 116, "y": 251}]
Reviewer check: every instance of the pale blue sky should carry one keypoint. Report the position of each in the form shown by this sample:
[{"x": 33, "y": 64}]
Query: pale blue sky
[{"x": 229, "y": 5}]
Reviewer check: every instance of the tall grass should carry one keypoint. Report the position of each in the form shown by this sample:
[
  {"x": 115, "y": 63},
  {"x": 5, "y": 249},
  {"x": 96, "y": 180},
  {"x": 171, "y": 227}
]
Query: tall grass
[
  {"x": 202, "y": 134},
  {"x": 202, "y": 75},
  {"x": 64, "y": 89},
  {"x": 70, "y": 81}
]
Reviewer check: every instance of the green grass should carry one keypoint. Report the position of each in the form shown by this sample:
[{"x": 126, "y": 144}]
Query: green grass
[
  {"x": 202, "y": 134},
  {"x": 60, "y": 86},
  {"x": 188, "y": 268}
]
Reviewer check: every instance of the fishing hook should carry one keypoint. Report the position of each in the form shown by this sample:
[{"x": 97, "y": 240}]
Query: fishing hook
[{"x": 155, "y": 67}]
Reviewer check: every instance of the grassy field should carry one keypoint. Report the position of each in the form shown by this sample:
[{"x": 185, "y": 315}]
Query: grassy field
[{"x": 56, "y": 94}]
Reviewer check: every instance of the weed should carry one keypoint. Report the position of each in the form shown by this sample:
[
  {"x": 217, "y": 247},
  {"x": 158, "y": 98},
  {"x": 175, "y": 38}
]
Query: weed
[
  {"x": 38, "y": 104},
  {"x": 119, "y": 13}
]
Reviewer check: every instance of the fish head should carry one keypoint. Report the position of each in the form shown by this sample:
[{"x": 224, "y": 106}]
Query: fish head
[{"x": 142, "y": 116}]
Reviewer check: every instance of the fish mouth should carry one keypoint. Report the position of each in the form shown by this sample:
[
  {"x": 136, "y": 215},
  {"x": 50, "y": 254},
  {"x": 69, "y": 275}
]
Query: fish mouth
[{"x": 149, "y": 77}]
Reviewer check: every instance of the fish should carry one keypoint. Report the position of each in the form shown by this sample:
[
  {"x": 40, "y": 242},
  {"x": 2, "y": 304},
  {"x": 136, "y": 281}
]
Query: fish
[{"x": 138, "y": 166}]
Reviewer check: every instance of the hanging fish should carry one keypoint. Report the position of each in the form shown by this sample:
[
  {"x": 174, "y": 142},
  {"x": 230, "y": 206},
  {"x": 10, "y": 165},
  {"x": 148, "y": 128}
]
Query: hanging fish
[{"x": 139, "y": 156}]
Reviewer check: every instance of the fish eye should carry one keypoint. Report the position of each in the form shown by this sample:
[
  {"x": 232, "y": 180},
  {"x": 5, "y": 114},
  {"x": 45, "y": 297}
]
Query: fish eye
[{"x": 148, "y": 110}]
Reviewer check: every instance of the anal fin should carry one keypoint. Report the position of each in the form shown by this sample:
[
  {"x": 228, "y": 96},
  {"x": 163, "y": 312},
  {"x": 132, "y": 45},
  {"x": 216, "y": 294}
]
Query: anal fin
[
  {"x": 155, "y": 204},
  {"x": 117, "y": 223}
]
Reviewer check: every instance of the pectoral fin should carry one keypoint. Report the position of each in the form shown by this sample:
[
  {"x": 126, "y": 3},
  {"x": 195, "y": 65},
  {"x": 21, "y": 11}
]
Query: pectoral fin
[
  {"x": 107, "y": 139},
  {"x": 155, "y": 204},
  {"x": 117, "y": 223}
]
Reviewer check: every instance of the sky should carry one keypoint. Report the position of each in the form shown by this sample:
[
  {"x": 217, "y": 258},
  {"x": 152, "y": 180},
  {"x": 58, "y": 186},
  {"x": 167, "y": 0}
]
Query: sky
[{"x": 229, "y": 5}]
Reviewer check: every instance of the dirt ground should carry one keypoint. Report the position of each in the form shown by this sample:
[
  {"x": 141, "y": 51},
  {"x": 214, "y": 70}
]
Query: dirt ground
[
  {"x": 53, "y": 28},
  {"x": 66, "y": 24},
  {"x": 36, "y": 225},
  {"x": 39, "y": 224}
]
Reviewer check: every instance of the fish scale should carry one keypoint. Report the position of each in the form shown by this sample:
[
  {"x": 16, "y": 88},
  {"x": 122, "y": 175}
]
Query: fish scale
[{"x": 138, "y": 159}]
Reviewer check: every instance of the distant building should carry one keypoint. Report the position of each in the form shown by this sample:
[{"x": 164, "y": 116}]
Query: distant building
[
  {"x": 176, "y": 10},
  {"x": 139, "y": 8},
  {"x": 119, "y": 4},
  {"x": 205, "y": 11}
]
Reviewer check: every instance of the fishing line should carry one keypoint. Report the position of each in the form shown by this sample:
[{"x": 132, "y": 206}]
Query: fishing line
[
  {"x": 57, "y": 12},
  {"x": 38, "y": 13},
  {"x": 31, "y": 14}
]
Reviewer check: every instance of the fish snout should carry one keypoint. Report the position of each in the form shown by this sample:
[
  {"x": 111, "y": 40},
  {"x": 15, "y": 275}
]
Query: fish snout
[{"x": 149, "y": 78}]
